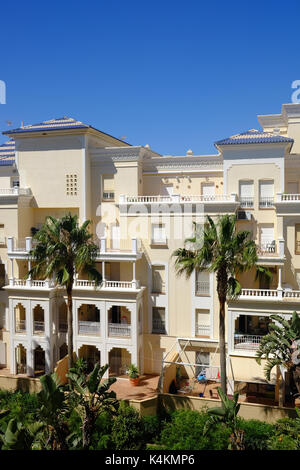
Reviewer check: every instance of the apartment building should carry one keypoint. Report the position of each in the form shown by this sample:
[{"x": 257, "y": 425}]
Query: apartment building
[{"x": 142, "y": 206}]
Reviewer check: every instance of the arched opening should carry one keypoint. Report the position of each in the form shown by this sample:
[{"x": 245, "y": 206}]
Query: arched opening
[
  {"x": 62, "y": 318},
  {"x": 39, "y": 361},
  {"x": 38, "y": 320},
  {"x": 88, "y": 320},
  {"x": 119, "y": 321},
  {"x": 91, "y": 355},
  {"x": 63, "y": 350},
  {"x": 119, "y": 361},
  {"x": 20, "y": 318},
  {"x": 21, "y": 359}
]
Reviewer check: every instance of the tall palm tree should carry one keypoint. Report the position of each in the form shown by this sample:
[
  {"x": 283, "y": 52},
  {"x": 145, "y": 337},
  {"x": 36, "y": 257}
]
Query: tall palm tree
[
  {"x": 63, "y": 249},
  {"x": 221, "y": 249}
]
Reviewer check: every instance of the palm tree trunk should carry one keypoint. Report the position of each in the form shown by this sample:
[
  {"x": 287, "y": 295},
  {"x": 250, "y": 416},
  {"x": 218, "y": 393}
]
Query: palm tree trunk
[
  {"x": 70, "y": 326},
  {"x": 222, "y": 346}
]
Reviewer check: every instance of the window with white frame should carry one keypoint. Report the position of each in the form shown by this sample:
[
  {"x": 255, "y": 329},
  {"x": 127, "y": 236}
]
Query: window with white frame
[
  {"x": 266, "y": 194},
  {"x": 202, "y": 283},
  {"x": 246, "y": 194},
  {"x": 108, "y": 185},
  {"x": 2, "y": 234},
  {"x": 159, "y": 234}
]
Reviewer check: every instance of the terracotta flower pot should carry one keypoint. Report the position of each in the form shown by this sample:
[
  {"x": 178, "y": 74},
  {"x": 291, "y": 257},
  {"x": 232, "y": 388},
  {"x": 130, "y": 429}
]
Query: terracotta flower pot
[{"x": 135, "y": 382}]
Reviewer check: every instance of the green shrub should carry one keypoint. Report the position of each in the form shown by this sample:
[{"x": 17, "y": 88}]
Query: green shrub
[
  {"x": 257, "y": 433},
  {"x": 152, "y": 428},
  {"x": 23, "y": 406},
  {"x": 282, "y": 442},
  {"x": 128, "y": 429},
  {"x": 185, "y": 432}
]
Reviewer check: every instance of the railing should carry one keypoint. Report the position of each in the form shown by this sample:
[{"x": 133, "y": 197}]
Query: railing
[
  {"x": 291, "y": 294},
  {"x": 259, "y": 292},
  {"x": 202, "y": 330},
  {"x": 108, "y": 284},
  {"x": 265, "y": 202},
  {"x": 246, "y": 202},
  {"x": 38, "y": 327},
  {"x": 20, "y": 326},
  {"x": 202, "y": 287},
  {"x": 158, "y": 326},
  {"x": 288, "y": 197},
  {"x": 177, "y": 198},
  {"x": 15, "y": 191},
  {"x": 119, "y": 329},
  {"x": 88, "y": 327},
  {"x": 46, "y": 284},
  {"x": 248, "y": 342},
  {"x": 267, "y": 248}
]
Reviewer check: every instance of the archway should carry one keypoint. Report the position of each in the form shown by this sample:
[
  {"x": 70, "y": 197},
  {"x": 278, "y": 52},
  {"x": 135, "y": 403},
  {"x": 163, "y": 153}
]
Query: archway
[
  {"x": 119, "y": 361},
  {"x": 21, "y": 362},
  {"x": 20, "y": 318},
  {"x": 91, "y": 355},
  {"x": 88, "y": 320},
  {"x": 39, "y": 361},
  {"x": 119, "y": 321},
  {"x": 38, "y": 320}
]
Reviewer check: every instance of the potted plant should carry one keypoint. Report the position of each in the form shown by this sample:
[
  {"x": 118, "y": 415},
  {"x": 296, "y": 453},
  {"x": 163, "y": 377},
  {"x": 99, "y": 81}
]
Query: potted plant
[{"x": 133, "y": 374}]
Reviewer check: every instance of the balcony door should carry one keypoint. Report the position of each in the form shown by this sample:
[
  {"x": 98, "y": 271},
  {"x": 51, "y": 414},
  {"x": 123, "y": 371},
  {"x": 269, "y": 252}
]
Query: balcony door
[
  {"x": 208, "y": 190},
  {"x": 115, "y": 237}
]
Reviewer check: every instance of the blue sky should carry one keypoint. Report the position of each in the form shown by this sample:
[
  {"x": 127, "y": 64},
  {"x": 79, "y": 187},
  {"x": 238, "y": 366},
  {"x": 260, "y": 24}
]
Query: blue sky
[{"x": 171, "y": 74}]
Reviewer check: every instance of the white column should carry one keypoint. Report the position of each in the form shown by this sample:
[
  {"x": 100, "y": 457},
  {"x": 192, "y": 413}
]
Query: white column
[
  {"x": 279, "y": 287},
  {"x": 133, "y": 275},
  {"x": 103, "y": 273},
  {"x": 30, "y": 359}
]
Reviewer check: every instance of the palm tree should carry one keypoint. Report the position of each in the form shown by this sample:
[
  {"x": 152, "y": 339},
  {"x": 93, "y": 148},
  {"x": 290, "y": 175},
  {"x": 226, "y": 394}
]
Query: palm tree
[
  {"x": 280, "y": 347},
  {"x": 221, "y": 249},
  {"x": 63, "y": 249}
]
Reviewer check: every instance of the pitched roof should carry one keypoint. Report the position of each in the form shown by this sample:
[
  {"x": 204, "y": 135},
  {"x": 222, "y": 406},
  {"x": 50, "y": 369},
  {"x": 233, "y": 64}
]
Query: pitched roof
[
  {"x": 253, "y": 136},
  {"x": 7, "y": 153},
  {"x": 54, "y": 124}
]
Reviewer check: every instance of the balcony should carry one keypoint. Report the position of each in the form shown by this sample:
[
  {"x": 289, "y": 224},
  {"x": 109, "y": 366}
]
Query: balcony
[
  {"x": 269, "y": 294},
  {"x": 247, "y": 342},
  {"x": 202, "y": 330},
  {"x": 20, "y": 326},
  {"x": 177, "y": 198},
  {"x": 266, "y": 202},
  {"x": 31, "y": 284},
  {"x": 288, "y": 198},
  {"x": 129, "y": 250},
  {"x": 119, "y": 330},
  {"x": 107, "y": 285},
  {"x": 88, "y": 328},
  {"x": 38, "y": 327},
  {"x": 15, "y": 191},
  {"x": 246, "y": 202}
]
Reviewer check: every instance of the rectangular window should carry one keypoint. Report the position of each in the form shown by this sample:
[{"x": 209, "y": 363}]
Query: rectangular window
[
  {"x": 158, "y": 320},
  {"x": 267, "y": 242},
  {"x": 208, "y": 190},
  {"x": 158, "y": 279},
  {"x": 297, "y": 239},
  {"x": 246, "y": 194},
  {"x": 108, "y": 185},
  {"x": 266, "y": 194},
  {"x": 159, "y": 234},
  {"x": 202, "y": 283},
  {"x": 201, "y": 358},
  {"x": 202, "y": 322}
]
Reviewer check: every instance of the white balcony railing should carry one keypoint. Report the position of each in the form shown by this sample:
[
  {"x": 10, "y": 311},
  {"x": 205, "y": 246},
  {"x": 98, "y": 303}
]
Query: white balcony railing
[
  {"x": 247, "y": 342},
  {"x": 16, "y": 191},
  {"x": 38, "y": 327},
  {"x": 266, "y": 202},
  {"x": 259, "y": 293},
  {"x": 88, "y": 327},
  {"x": 267, "y": 248},
  {"x": 202, "y": 330},
  {"x": 119, "y": 329},
  {"x": 287, "y": 197},
  {"x": 32, "y": 283},
  {"x": 20, "y": 326},
  {"x": 246, "y": 202},
  {"x": 177, "y": 198}
]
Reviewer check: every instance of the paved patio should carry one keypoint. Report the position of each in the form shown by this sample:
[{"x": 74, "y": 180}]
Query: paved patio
[{"x": 147, "y": 388}]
